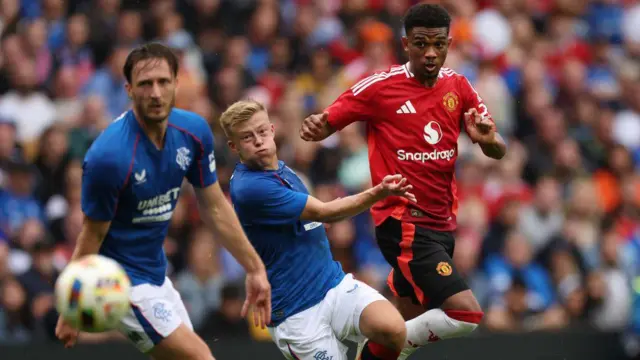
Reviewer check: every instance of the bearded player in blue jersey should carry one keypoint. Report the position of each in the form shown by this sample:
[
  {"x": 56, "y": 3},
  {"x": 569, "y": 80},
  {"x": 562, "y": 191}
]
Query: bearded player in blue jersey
[
  {"x": 132, "y": 176},
  {"x": 316, "y": 306}
]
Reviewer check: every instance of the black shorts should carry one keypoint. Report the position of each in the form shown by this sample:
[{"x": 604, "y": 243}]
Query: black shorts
[{"x": 422, "y": 262}]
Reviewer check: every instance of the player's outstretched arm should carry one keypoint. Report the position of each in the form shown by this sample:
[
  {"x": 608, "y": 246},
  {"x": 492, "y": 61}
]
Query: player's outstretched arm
[
  {"x": 101, "y": 181},
  {"x": 218, "y": 215},
  {"x": 343, "y": 208},
  {"x": 88, "y": 242}
]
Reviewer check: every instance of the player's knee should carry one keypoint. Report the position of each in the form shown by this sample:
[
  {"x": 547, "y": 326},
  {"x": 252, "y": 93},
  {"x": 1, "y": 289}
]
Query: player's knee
[
  {"x": 396, "y": 334},
  {"x": 384, "y": 325},
  {"x": 472, "y": 304},
  {"x": 198, "y": 350},
  {"x": 393, "y": 333},
  {"x": 462, "y": 301},
  {"x": 203, "y": 353}
]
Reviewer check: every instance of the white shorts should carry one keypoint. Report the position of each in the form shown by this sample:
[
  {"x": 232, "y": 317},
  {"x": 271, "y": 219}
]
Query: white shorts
[
  {"x": 318, "y": 332},
  {"x": 156, "y": 312}
]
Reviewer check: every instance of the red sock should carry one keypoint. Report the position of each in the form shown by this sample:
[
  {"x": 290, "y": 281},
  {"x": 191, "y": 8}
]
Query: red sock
[
  {"x": 373, "y": 351},
  {"x": 473, "y": 317}
]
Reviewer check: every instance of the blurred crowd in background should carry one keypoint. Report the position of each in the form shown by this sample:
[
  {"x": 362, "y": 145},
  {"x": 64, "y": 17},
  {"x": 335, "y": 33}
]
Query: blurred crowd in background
[{"x": 548, "y": 238}]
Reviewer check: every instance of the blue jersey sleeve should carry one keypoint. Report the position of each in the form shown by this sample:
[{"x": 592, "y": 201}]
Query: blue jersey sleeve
[
  {"x": 202, "y": 172},
  {"x": 268, "y": 201},
  {"x": 101, "y": 183}
]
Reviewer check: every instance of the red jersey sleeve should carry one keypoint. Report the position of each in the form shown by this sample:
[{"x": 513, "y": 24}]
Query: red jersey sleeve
[{"x": 355, "y": 104}]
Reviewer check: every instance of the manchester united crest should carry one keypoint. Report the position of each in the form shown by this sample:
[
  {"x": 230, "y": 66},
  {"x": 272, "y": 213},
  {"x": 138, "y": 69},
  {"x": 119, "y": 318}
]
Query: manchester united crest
[
  {"x": 450, "y": 101},
  {"x": 444, "y": 268}
]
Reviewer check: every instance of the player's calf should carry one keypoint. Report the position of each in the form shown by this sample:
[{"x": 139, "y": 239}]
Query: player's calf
[{"x": 385, "y": 330}]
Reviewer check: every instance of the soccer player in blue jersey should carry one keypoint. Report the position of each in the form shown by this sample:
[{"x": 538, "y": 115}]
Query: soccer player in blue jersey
[
  {"x": 132, "y": 177},
  {"x": 315, "y": 305}
]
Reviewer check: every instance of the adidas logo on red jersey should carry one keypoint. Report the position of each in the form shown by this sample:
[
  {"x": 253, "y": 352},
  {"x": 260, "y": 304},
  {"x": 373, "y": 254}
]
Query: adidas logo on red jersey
[{"x": 406, "y": 108}]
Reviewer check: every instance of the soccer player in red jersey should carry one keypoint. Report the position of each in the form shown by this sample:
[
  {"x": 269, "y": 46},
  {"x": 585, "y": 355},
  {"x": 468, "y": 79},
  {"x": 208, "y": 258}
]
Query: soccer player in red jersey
[{"x": 414, "y": 114}]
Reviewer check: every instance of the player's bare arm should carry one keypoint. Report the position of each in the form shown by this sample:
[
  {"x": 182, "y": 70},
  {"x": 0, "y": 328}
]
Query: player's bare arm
[
  {"x": 316, "y": 127},
  {"x": 219, "y": 216},
  {"x": 91, "y": 236},
  {"x": 496, "y": 148},
  {"x": 483, "y": 131},
  {"x": 88, "y": 242},
  {"x": 343, "y": 208}
]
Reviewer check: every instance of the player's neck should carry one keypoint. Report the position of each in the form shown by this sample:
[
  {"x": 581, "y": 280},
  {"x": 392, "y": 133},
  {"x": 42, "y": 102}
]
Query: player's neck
[
  {"x": 428, "y": 82},
  {"x": 271, "y": 164},
  {"x": 155, "y": 131}
]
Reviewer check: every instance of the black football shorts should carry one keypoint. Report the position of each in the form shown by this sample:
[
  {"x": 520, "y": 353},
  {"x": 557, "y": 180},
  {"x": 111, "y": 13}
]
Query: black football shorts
[{"x": 422, "y": 262}]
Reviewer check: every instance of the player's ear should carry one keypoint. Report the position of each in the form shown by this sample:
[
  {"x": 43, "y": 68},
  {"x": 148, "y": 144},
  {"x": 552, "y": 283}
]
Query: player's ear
[
  {"x": 129, "y": 89},
  {"x": 405, "y": 43},
  {"x": 449, "y": 41},
  {"x": 232, "y": 146}
]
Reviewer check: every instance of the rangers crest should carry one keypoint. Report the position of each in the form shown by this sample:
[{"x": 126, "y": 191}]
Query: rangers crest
[{"x": 183, "y": 159}]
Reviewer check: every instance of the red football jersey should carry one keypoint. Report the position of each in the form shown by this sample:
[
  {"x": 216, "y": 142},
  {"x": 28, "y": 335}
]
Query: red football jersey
[{"x": 412, "y": 130}]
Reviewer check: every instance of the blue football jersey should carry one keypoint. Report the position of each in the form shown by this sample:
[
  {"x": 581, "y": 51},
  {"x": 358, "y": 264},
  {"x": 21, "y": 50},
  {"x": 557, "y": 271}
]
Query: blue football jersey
[
  {"x": 133, "y": 184},
  {"x": 300, "y": 266}
]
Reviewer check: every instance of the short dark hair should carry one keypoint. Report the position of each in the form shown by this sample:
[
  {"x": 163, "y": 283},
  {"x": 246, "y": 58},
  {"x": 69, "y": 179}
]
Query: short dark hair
[
  {"x": 426, "y": 15},
  {"x": 150, "y": 51}
]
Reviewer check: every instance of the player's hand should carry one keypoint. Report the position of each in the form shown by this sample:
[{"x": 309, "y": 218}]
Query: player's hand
[
  {"x": 258, "y": 298},
  {"x": 66, "y": 333},
  {"x": 314, "y": 127},
  {"x": 480, "y": 129},
  {"x": 397, "y": 185}
]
